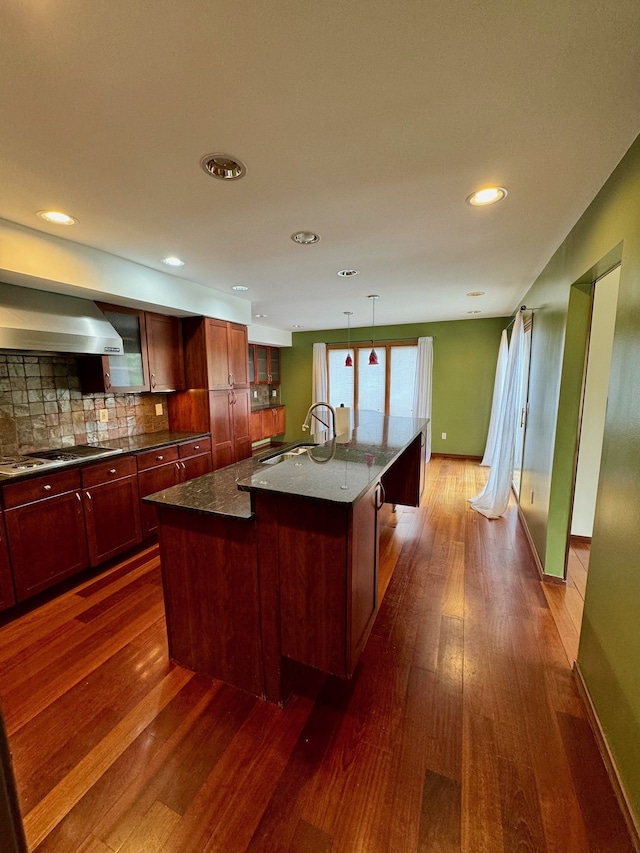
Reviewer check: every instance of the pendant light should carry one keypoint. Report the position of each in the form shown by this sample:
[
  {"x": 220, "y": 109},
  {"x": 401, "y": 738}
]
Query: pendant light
[
  {"x": 348, "y": 362},
  {"x": 373, "y": 356}
]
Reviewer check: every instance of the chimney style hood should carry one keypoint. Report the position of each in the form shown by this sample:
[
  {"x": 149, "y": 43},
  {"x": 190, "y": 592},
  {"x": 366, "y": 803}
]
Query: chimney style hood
[{"x": 39, "y": 321}]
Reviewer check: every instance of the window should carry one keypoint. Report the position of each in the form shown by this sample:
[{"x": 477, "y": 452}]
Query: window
[{"x": 386, "y": 387}]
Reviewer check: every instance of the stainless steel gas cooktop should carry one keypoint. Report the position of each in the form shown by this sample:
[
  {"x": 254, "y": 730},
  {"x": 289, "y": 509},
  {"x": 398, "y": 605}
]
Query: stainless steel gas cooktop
[{"x": 42, "y": 460}]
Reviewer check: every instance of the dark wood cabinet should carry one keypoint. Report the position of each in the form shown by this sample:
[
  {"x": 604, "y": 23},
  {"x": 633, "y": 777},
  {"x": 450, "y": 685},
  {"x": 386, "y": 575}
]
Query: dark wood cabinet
[
  {"x": 153, "y": 354},
  {"x": 218, "y": 380},
  {"x": 267, "y": 423},
  {"x": 404, "y": 482},
  {"x": 164, "y": 350},
  {"x": 336, "y": 606},
  {"x": 45, "y": 531},
  {"x": 112, "y": 507},
  {"x": 264, "y": 365},
  {"x": 7, "y": 596},
  {"x": 164, "y": 467}
]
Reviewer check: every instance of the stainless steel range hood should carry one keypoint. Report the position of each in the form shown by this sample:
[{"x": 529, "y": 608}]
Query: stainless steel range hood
[{"x": 39, "y": 321}]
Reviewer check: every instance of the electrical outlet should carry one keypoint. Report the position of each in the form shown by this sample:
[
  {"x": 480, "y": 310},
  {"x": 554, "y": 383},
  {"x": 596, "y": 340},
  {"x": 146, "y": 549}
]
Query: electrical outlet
[
  {"x": 255, "y": 394},
  {"x": 444, "y": 436},
  {"x": 159, "y": 408},
  {"x": 274, "y": 393},
  {"x": 104, "y": 416}
]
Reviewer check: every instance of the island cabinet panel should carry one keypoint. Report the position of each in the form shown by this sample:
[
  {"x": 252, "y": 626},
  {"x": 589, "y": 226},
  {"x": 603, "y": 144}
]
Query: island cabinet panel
[
  {"x": 404, "y": 482},
  {"x": 327, "y": 564},
  {"x": 211, "y": 594},
  {"x": 150, "y": 480},
  {"x": 112, "y": 508},
  {"x": 7, "y": 597},
  {"x": 46, "y": 536}
]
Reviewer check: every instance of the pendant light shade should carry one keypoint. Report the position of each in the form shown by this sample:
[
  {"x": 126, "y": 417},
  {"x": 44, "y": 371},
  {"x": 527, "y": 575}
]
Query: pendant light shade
[
  {"x": 348, "y": 362},
  {"x": 373, "y": 355}
]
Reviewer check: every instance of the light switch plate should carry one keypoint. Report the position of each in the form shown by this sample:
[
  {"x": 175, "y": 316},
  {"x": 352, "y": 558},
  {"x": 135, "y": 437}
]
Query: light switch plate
[
  {"x": 159, "y": 408},
  {"x": 104, "y": 416}
]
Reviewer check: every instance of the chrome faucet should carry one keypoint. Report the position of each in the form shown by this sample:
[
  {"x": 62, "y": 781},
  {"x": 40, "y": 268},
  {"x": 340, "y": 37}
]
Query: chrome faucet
[{"x": 311, "y": 413}]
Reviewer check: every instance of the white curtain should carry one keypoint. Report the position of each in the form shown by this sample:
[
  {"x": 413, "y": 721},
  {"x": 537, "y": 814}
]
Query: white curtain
[
  {"x": 422, "y": 386},
  {"x": 494, "y": 498},
  {"x": 319, "y": 389},
  {"x": 498, "y": 390}
]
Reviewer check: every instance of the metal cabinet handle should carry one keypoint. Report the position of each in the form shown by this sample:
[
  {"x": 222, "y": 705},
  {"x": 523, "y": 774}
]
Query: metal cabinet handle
[
  {"x": 107, "y": 380},
  {"x": 47, "y": 487},
  {"x": 383, "y": 496},
  {"x": 78, "y": 497},
  {"x": 183, "y": 466},
  {"x": 112, "y": 470},
  {"x": 230, "y": 378},
  {"x": 153, "y": 380},
  {"x": 196, "y": 447},
  {"x": 159, "y": 458}
]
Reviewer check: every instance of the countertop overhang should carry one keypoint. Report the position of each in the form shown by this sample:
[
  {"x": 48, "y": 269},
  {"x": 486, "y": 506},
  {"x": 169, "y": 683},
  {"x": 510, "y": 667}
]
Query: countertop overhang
[{"x": 336, "y": 471}]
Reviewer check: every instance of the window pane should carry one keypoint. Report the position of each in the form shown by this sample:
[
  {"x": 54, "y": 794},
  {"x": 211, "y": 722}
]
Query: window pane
[
  {"x": 371, "y": 380},
  {"x": 340, "y": 379},
  {"x": 403, "y": 373}
]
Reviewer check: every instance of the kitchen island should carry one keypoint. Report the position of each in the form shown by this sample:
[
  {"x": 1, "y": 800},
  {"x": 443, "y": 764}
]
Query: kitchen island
[{"x": 275, "y": 559}]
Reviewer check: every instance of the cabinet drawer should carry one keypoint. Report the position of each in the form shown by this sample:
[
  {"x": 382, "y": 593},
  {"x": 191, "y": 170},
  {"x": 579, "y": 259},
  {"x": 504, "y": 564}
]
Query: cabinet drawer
[
  {"x": 41, "y": 487},
  {"x": 113, "y": 469},
  {"x": 159, "y": 456},
  {"x": 195, "y": 447}
]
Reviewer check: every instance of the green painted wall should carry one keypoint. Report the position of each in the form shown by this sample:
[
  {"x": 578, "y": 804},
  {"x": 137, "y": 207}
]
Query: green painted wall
[
  {"x": 610, "y": 641},
  {"x": 464, "y": 364}
]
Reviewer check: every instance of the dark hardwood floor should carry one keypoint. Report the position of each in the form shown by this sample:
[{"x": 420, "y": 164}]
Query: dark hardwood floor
[{"x": 462, "y": 729}]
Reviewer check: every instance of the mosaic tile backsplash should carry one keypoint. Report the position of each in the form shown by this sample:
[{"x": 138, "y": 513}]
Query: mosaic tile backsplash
[{"x": 41, "y": 406}]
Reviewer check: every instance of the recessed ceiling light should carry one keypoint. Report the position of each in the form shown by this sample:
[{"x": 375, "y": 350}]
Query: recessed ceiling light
[
  {"x": 474, "y": 312},
  {"x": 297, "y": 326},
  {"x": 305, "y": 238},
  {"x": 259, "y": 315},
  {"x": 239, "y": 287},
  {"x": 223, "y": 166},
  {"x": 347, "y": 273},
  {"x": 476, "y": 293},
  {"x": 172, "y": 261},
  {"x": 490, "y": 195},
  {"x": 57, "y": 217}
]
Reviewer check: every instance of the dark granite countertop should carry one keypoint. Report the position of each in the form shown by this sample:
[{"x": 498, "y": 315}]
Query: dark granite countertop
[
  {"x": 129, "y": 444},
  {"x": 150, "y": 440},
  {"x": 337, "y": 471}
]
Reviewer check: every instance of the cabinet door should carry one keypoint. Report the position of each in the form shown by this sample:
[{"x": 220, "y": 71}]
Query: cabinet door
[
  {"x": 252, "y": 369},
  {"x": 262, "y": 365},
  {"x": 195, "y": 466},
  {"x": 155, "y": 480},
  {"x": 238, "y": 355},
  {"x": 364, "y": 573},
  {"x": 256, "y": 426},
  {"x": 221, "y": 428},
  {"x": 218, "y": 371},
  {"x": 112, "y": 512},
  {"x": 130, "y": 371},
  {"x": 280, "y": 420},
  {"x": 164, "y": 347},
  {"x": 241, "y": 415},
  {"x": 7, "y": 598},
  {"x": 274, "y": 365},
  {"x": 47, "y": 542}
]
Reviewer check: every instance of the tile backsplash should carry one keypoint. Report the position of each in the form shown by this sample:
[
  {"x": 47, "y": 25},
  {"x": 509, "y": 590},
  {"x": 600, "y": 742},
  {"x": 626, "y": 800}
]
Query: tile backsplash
[
  {"x": 41, "y": 406},
  {"x": 261, "y": 396}
]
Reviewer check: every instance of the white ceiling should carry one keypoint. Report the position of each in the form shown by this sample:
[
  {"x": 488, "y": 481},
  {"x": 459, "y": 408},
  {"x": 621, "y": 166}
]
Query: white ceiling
[{"x": 368, "y": 122}]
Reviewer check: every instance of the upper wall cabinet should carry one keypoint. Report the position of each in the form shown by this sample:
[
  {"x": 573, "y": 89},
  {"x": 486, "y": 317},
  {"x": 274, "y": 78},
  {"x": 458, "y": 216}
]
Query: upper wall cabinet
[
  {"x": 153, "y": 358},
  {"x": 264, "y": 365},
  {"x": 216, "y": 354}
]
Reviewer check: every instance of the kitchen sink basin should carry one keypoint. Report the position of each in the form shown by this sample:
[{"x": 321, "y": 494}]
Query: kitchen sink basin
[{"x": 292, "y": 453}]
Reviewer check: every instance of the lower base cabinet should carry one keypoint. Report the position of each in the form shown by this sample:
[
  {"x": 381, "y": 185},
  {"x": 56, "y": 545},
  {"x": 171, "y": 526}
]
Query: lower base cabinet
[
  {"x": 7, "y": 597},
  {"x": 46, "y": 535},
  {"x": 112, "y": 508}
]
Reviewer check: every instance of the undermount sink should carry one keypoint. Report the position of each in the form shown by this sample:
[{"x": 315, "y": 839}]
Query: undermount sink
[{"x": 293, "y": 453}]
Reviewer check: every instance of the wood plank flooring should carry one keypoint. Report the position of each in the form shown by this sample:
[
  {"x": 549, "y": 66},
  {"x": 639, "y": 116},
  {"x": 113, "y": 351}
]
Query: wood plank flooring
[{"x": 462, "y": 729}]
